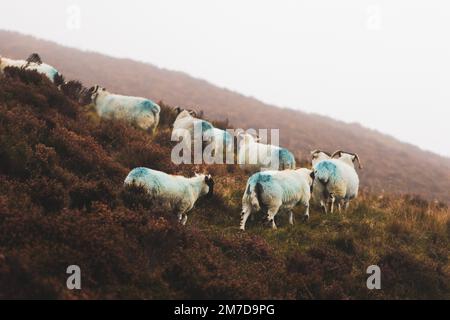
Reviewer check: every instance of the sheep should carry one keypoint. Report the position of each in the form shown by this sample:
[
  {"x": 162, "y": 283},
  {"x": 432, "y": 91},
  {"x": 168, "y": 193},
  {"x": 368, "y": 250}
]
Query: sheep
[
  {"x": 176, "y": 193},
  {"x": 140, "y": 111},
  {"x": 251, "y": 153},
  {"x": 191, "y": 129},
  {"x": 336, "y": 180},
  {"x": 273, "y": 191},
  {"x": 186, "y": 122},
  {"x": 33, "y": 62}
]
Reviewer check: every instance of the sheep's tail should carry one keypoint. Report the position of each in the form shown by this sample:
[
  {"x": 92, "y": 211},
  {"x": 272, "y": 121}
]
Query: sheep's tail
[
  {"x": 324, "y": 172},
  {"x": 322, "y": 176},
  {"x": 255, "y": 196}
]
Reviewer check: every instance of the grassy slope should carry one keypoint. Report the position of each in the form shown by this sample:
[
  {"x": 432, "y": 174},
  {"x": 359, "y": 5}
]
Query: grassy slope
[
  {"x": 62, "y": 203},
  {"x": 402, "y": 168}
]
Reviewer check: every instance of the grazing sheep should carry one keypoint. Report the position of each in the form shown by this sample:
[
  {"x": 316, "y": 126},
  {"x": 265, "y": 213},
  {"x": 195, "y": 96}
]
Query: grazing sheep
[
  {"x": 273, "y": 191},
  {"x": 186, "y": 122},
  {"x": 176, "y": 193},
  {"x": 251, "y": 153},
  {"x": 33, "y": 62},
  {"x": 191, "y": 131},
  {"x": 336, "y": 180},
  {"x": 140, "y": 111}
]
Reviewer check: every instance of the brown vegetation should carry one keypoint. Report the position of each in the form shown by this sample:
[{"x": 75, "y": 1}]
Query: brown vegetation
[{"x": 62, "y": 203}]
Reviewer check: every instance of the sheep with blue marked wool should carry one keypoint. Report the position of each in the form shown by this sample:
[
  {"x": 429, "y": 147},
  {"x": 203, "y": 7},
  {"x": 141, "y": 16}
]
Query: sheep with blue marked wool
[
  {"x": 252, "y": 154},
  {"x": 140, "y": 111},
  {"x": 336, "y": 179},
  {"x": 274, "y": 191},
  {"x": 33, "y": 62},
  {"x": 175, "y": 193}
]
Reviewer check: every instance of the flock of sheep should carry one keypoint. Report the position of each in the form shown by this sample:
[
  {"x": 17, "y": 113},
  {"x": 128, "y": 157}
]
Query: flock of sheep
[{"x": 332, "y": 181}]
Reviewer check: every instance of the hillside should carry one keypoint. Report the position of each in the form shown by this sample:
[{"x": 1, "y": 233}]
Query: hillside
[
  {"x": 391, "y": 166},
  {"x": 62, "y": 203}
]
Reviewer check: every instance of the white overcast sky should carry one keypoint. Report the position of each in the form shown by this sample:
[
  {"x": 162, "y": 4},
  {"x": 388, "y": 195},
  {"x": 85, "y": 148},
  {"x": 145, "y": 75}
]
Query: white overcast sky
[{"x": 385, "y": 64}]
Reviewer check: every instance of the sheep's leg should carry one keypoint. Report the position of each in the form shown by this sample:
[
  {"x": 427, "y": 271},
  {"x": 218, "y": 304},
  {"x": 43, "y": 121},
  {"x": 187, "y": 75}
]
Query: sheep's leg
[
  {"x": 323, "y": 206},
  {"x": 332, "y": 200},
  {"x": 180, "y": 217},
  {"x": 184, "y": 220},
  {"x": 244, "y": 216},
  {"x": 339, "y": 206},
  {"x": 271, "y": 213},
  {"x": 306, "y": 215},
  {"x": 291, "y": 218}
]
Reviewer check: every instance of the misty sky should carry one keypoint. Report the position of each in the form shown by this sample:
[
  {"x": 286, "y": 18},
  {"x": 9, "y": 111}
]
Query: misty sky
[{"x": 385, "y": 64}]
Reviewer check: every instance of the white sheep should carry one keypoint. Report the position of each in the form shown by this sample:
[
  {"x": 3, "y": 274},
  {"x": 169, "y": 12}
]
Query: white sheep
[
  {"x": 140, "y": 111},
  {"x": 274, "y": 191},
  {"x": 33, "y": 62},
  {"x": 336, "y": 180},
  {"x": 252, "y": 154},
  {"x": 198, "y": 131},
  {"x": 186, "y": 123},
  {"x": 175, "y": 193}
]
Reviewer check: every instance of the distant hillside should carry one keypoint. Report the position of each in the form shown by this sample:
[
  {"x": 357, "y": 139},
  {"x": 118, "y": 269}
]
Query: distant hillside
[
  {"x": 391, "y": 165},
  {"x": 62, "y": 202}
]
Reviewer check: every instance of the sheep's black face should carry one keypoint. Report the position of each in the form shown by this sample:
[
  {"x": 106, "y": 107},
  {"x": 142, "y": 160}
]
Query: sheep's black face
[{"x": 210, "y": 183}]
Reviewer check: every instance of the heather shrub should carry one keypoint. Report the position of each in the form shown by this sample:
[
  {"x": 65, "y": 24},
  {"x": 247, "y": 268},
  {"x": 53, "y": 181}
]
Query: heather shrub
[{"x": 62, "y": 202}]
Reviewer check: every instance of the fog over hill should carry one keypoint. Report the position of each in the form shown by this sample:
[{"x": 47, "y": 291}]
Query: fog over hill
[{"x": 390, "y": 165}]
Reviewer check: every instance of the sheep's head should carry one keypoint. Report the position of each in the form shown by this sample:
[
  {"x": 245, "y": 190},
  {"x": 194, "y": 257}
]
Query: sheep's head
[
  {"x": 319, "y": 155},
  {"x": 90, "y": 95},
  {"x": 185, "y": 112},
  {"x": 348, "y": 157},
  {"x": 208, "y": 185}
]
